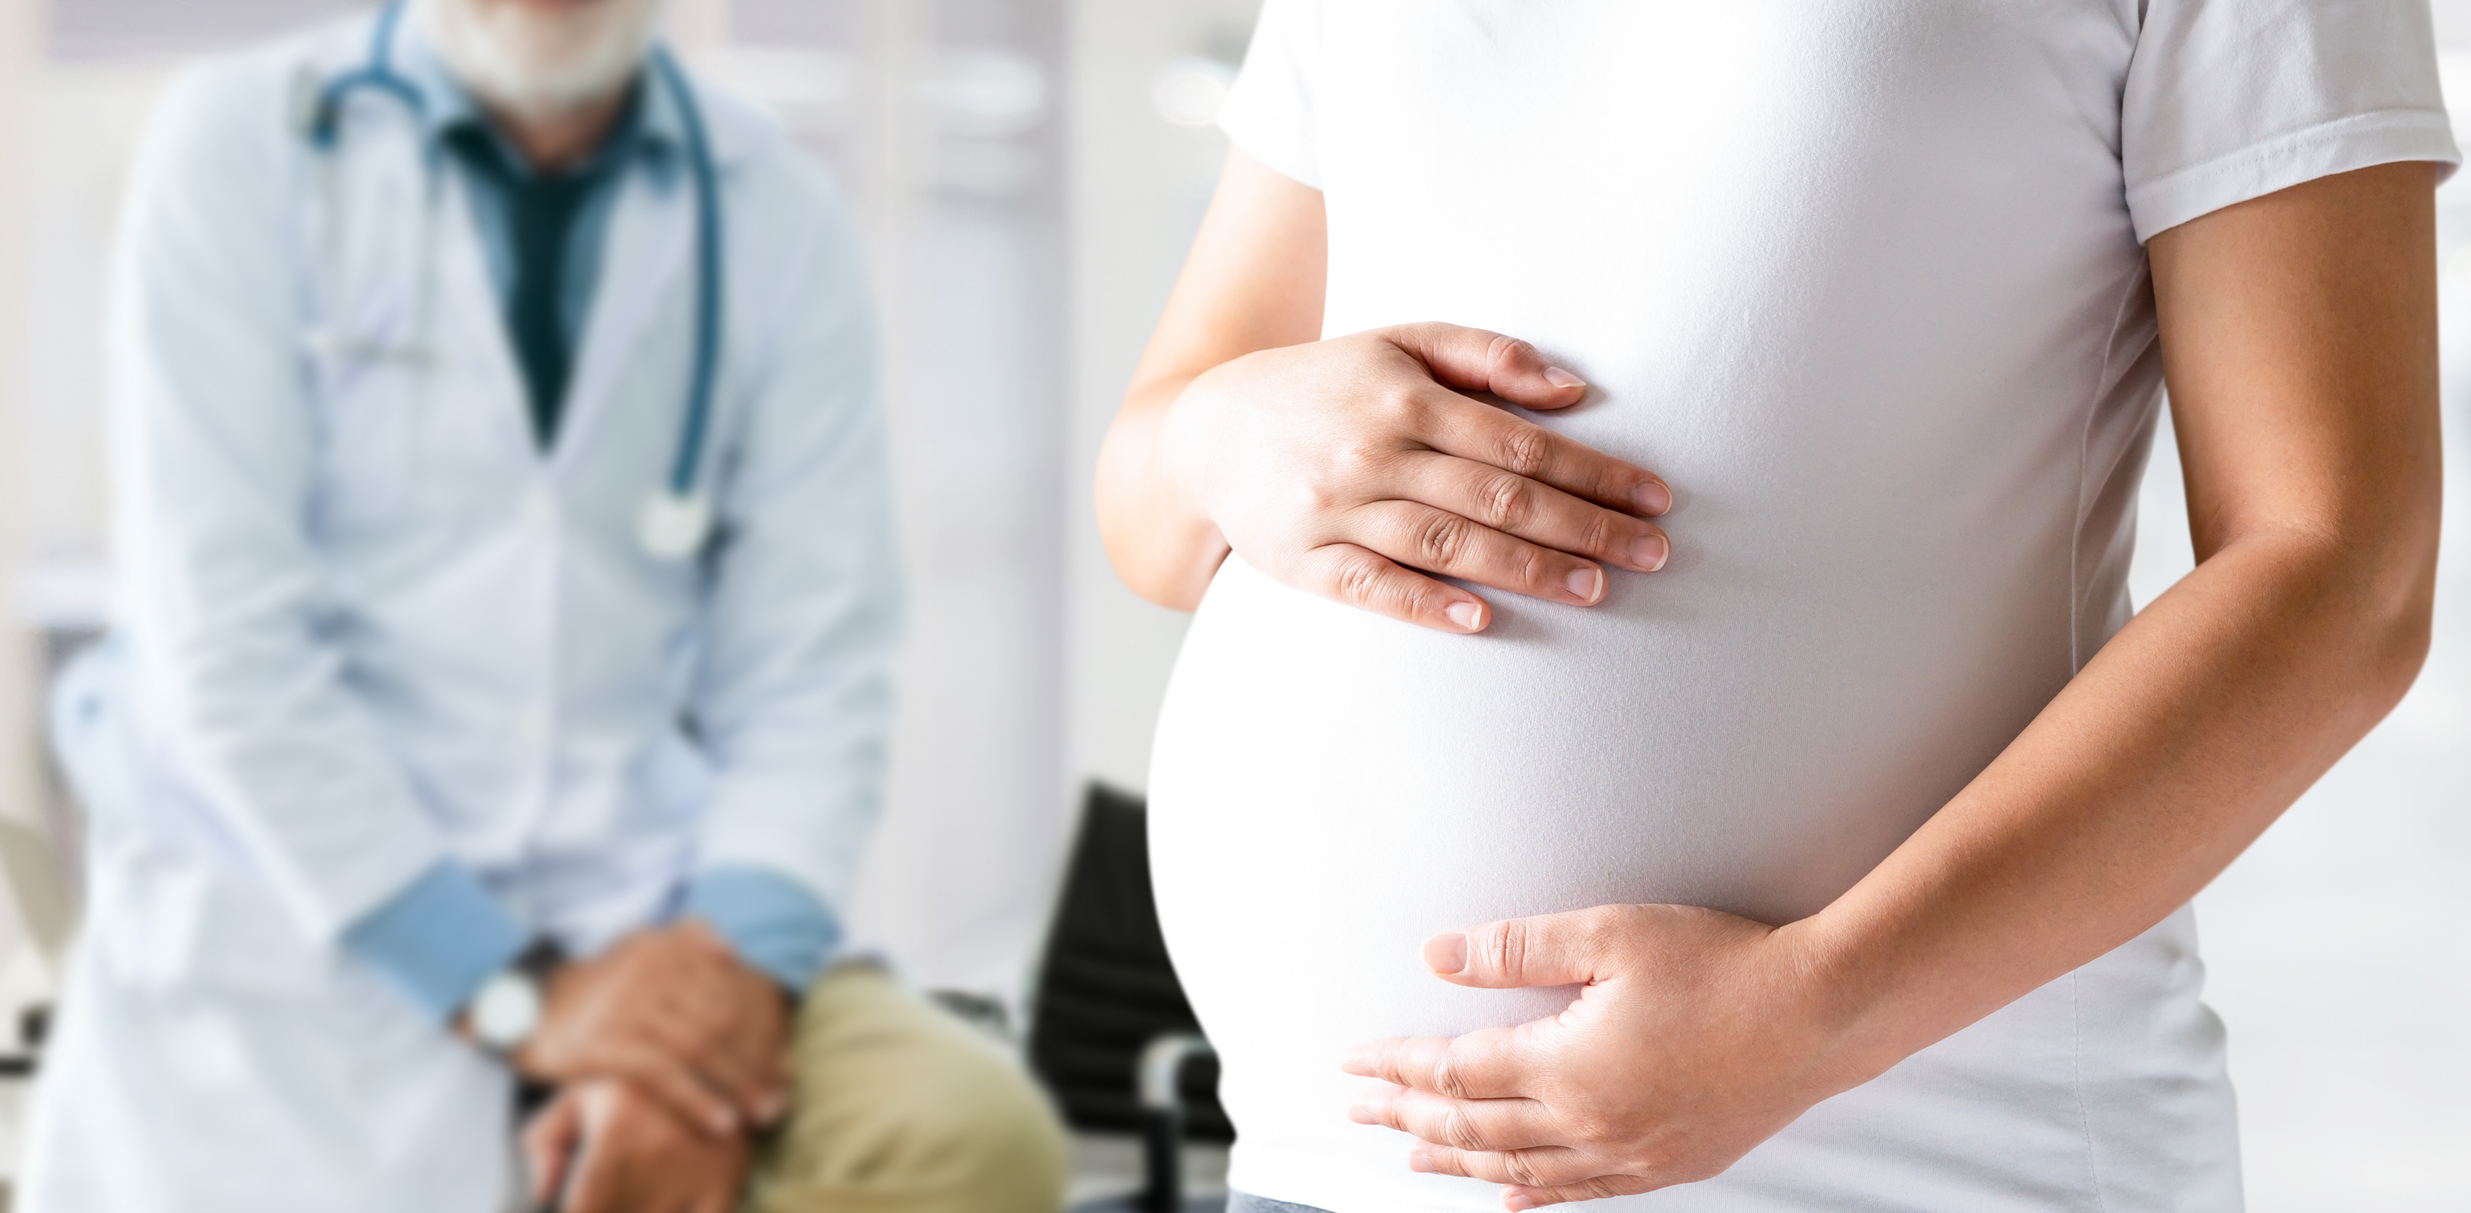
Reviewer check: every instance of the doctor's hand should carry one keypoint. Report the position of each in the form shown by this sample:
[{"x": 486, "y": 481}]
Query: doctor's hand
[
  {"x": 606, "y": 1147},
  {"x": 1696, "y": 1035},
  {"x": 1354, "y": 467},
  {"x": 673, "y": 1011}
]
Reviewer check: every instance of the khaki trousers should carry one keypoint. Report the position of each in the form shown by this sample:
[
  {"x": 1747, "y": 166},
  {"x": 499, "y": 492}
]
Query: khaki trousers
[{"x": 900, "y": 1107}]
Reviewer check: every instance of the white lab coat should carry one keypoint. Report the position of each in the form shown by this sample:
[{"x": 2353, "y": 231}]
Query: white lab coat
[{"x": 365, "y": 624}]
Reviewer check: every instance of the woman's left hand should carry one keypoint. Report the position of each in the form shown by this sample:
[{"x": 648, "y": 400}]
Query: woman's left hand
[{"x": 1696, "y": 1036}]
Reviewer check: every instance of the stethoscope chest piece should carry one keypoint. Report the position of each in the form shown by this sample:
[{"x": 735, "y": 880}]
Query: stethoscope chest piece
[{"x": 673, "y": 527}]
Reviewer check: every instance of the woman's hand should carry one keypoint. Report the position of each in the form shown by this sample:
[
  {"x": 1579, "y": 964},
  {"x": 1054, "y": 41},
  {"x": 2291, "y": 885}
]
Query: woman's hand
[
  {"x": 1339, "y": 466},
  {"x": 2298, "y": 334},
  {"x": 1346, "y": 466},
  {"x": 1696, "y": 1036}
]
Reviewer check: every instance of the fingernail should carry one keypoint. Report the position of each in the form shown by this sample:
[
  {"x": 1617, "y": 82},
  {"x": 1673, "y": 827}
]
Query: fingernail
[
  {"x": 1588, "y": 584},
  {"x": 1562, "y": 379},
  {"x": 1418, "y": 1160},
  {"x": 1518, "y": 1204},
  {"x": 1651, "y": 551},
  {"x": 1653, "y": 497},
  {"x": 1468, "y": 615},
  {"x": 1362, "y": 1115},
  {"x": 1446, "y": 954}
]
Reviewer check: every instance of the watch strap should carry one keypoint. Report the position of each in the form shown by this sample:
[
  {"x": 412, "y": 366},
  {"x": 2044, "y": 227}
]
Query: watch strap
[{"x": 539, "y": 959}]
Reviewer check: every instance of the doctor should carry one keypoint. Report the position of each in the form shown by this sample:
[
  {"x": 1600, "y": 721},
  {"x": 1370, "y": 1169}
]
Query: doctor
[{"x": 500, "y": 686}]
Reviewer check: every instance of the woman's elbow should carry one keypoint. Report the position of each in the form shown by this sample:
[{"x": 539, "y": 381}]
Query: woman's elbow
[
  {"x": 1159, "y": 547},
  {"x": 2404, "y": 637},
  {"x": 2397, "y": 618},
  {"x": 1160, "y": 572}
]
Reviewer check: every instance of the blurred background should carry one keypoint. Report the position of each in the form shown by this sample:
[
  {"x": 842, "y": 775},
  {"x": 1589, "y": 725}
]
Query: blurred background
[{"x": 1028, "y": 173}]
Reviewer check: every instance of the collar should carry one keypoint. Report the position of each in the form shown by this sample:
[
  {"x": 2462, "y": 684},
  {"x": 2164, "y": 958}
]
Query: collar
[{"x": 649, "y": 129}]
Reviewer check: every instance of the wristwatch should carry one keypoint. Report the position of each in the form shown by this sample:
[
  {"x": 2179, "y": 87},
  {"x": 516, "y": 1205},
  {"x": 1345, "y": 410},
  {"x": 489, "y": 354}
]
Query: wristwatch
[{"x": 506, "y": 1010}]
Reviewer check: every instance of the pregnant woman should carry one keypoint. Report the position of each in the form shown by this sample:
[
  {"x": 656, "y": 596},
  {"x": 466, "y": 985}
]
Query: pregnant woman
[{"x": 1809, "y": 820}]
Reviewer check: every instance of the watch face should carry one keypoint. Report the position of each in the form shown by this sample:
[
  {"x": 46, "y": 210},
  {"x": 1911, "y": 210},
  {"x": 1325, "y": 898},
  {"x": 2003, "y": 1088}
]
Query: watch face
[{"x": 506, "y": 1010}]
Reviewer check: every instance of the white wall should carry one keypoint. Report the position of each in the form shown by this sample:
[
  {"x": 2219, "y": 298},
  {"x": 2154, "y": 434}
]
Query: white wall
[
  {"x": 18, "y": 782},
  {"x": 1140, "y": 184},
  {"x": 18, "y": 764},
  {"x": 961, "y": 174}
]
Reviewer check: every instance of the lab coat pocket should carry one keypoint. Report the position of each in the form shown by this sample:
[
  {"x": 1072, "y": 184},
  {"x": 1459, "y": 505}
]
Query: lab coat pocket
[{"x": 172, "y": 916}]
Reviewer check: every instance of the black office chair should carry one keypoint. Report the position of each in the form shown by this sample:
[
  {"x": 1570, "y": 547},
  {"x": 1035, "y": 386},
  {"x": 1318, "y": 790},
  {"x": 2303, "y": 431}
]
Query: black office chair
[
  {"x": 1110, "y": 1032},
  {"x": 33, "y": 1027}
]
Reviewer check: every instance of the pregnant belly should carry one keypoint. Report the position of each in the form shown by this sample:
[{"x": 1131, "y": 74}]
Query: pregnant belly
[{"x": 1330, "y": 788}]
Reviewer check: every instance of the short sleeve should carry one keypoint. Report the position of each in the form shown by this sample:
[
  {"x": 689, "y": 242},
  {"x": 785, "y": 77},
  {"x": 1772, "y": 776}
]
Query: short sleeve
[
  {"x": 2228, "y": 100},
  {"x": 1269, "y": 111}
]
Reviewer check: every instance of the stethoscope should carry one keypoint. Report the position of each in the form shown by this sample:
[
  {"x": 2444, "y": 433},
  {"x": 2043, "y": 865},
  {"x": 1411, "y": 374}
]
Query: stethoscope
[{"x": 675, "y": 519}]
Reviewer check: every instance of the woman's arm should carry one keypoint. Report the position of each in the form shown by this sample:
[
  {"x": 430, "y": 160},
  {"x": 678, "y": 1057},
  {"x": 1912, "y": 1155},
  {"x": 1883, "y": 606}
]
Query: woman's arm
[
  {"x": 2299, "y": 341},
  {"x": 1339, "y": 466},
  {"x": 1253, "y": 281}
]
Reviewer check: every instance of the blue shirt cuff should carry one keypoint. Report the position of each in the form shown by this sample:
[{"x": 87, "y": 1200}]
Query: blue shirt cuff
[
  {"x": 440, "y": 938},
  {"x": 772, "y": 922}
]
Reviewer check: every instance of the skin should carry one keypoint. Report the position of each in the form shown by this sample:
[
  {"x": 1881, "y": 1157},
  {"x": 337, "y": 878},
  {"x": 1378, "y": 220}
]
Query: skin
[
  {"x": 606, "y": 1147},
  {"x": 562, "y": 141},
  {"x": 670, "y": 1049},
  {"x": 2299, "y": 341},
  {"x": 674, "y": 1011},
  {"x": 1335, "y": 465},
  {"x": 559, "y": 139}
]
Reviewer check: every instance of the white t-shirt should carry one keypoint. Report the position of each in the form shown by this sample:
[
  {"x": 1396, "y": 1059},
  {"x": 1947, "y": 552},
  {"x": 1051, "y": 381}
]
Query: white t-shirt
[{"x": 1865, "y": 282}]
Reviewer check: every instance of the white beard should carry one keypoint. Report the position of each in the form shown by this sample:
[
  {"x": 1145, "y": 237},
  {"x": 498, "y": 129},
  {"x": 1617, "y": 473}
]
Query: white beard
[{"x": 535, "y": 61}]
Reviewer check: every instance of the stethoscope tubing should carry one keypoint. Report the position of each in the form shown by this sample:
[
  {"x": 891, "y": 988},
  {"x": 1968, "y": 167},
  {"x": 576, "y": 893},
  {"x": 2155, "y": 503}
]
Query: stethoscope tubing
[
  {"x": 679, "y": 495},
  {"x": 709, "y": 298},
  {"x": 325, "y": 123}
]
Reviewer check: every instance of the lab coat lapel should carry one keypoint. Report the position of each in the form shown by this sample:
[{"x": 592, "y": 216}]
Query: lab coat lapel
[
  {"x": 642, "y": 262},
  {"x": 410, "y": 312}
]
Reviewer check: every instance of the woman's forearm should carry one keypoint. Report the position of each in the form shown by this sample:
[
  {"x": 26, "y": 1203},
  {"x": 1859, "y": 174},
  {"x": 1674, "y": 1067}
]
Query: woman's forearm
[
  {"x": 1253, "y": 281},
  {"x": 2175, "y": 747},
  {"x": 1159, "y": 541},
  {"x": 1696, "y": 1034},
  {"x": 2299, "y": 340}
]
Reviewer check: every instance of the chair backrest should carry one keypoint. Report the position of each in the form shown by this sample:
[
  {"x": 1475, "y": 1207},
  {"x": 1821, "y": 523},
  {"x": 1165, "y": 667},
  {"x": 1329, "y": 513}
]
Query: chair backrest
[{"x": 1105, "y": 989}]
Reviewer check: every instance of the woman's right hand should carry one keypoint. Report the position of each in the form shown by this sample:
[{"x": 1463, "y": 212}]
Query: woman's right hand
[{"x": 1354, "y": 467}]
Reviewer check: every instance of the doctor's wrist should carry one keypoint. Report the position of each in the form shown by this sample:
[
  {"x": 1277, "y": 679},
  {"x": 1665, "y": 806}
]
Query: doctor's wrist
[{"x": 438, "y": 938}]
